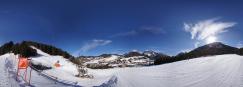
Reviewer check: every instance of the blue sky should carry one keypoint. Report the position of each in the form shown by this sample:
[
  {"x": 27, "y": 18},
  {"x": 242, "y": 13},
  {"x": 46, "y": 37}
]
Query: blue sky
[{"x": 93, "y": 27}]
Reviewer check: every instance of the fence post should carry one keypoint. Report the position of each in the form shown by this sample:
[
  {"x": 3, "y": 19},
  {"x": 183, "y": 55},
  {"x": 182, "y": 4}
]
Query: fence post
[{"x": 17, "y": 70}]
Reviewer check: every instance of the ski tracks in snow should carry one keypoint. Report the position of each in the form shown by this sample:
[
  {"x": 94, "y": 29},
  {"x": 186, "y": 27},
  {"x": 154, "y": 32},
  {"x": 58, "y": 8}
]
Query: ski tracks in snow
[
  {"x": 215, "y": 71},
  {"x": 7, "y": 73}
]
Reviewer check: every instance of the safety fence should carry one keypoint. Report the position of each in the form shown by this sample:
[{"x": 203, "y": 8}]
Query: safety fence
[{"x": 56, "y": 79}]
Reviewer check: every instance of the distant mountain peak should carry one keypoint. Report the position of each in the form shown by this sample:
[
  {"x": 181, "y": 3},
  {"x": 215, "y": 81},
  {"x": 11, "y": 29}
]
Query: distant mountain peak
[
  {"x": 215, "y": 44},
  {"x": 216, "y": 48}
]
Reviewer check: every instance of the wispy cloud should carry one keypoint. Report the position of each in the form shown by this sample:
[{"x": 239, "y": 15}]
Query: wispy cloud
[
  {"x": 92, "y": 45},
  {"x": 129, "y": 33},
  {"x": 207, "y": 28},
  {"x": 140, "y": 31}
]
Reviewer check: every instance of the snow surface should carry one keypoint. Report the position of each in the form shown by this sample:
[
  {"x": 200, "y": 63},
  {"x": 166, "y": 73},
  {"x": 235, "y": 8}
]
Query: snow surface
[
  {"x": 68, "y": 70},
  {"x": 6, "y": 79},
  {"x": 40, "y": 52},
  {"x": 214, "y": 71},
  {"x": 8, "y": 73}
]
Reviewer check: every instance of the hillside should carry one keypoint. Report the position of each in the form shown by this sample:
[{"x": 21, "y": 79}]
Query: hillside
[
  {"x": 216, "y": 48},
  {"x": 214, "y": 71},
  {"x": 196, "y": 72},
  {"x": 130, "y": 59},
  {"x": 52, "y": 50},
  {"x": 24, "y": 48}
]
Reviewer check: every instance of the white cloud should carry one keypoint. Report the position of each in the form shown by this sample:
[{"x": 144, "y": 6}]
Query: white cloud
[
  {"x": 92, "y": 45},
  {"x": 207, "y": 28}
]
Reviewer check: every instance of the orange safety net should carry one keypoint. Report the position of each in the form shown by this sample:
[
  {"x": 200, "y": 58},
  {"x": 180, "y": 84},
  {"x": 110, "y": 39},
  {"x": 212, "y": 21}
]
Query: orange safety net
[{"x": 23, "y": 63}]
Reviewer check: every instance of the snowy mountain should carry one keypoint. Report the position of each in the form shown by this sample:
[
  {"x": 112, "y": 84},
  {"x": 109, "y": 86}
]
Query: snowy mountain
[
  {"x": 214, "y": 71},
  {"x": 133, "y": 53},
  {"x": 216, "y": 48},
  {"x": 117, "y": 61},
  {"x": 153, "y": 55},
  {"x": 150, "y": 53},
  {"x": 130, "y": 59},
  {"x": 196, "y": 72}
]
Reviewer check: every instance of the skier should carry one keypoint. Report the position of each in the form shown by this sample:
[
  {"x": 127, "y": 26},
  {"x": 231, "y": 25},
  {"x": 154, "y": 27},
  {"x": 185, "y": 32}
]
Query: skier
[{"x": 57, "y": 64}]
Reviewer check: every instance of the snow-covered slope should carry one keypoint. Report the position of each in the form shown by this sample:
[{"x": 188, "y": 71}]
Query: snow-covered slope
[
  {"x": 68, "y": 70},
  {"x": 5, "y": 76},
  {"x": 65, "y": 73},
  {"x": 8, "y": 67},
  {"x": 215, "y": 71},
  {"x": 40, "y": 52}
]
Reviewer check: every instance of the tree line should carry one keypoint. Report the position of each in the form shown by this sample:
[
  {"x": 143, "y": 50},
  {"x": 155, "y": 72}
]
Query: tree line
[
  {"x": 49, "y": 49},
  {"x": 19, "y": 48},
  {"x": 25, "y": 50}
]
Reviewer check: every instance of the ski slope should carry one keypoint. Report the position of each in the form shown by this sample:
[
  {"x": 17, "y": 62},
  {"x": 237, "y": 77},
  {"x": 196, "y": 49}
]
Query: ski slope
[
  {"x": 214, "y": 71},
  {"x": 6, "y": 79},
  {"x": 68, "y": 70},
  {"x": 8, "y": 69}
]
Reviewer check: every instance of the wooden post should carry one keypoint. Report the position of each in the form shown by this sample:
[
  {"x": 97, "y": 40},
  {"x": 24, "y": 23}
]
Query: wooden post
[{"x": 17, "y": 70}]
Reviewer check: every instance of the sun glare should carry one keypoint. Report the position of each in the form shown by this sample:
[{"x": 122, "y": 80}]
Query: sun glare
[{"x": 211, "y": 39}]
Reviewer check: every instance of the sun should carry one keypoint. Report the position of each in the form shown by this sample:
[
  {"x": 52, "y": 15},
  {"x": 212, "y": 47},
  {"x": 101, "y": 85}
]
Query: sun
[{"x": 211, "y": 39}]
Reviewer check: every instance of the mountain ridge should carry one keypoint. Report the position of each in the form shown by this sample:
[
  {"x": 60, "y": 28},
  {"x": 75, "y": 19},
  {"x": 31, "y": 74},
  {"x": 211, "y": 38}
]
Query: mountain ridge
[{"x": 216, "y": 48}]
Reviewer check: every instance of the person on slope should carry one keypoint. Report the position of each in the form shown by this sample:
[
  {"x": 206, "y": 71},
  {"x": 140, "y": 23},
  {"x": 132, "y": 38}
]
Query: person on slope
[{"x": 57, "y": 64}]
